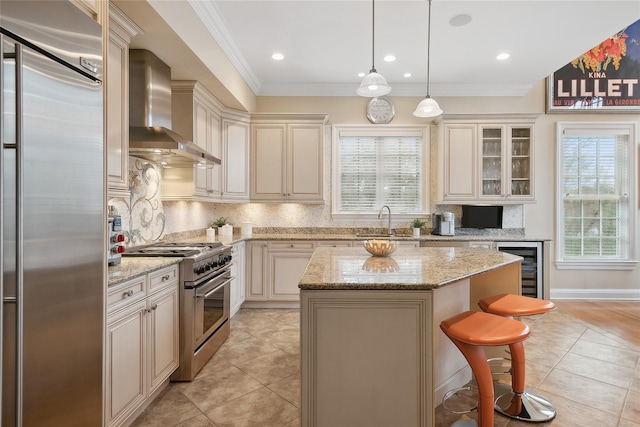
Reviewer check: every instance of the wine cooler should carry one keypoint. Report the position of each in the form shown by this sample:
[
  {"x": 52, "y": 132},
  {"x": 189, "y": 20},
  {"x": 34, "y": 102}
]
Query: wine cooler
[{"x": 531, "y": 252}]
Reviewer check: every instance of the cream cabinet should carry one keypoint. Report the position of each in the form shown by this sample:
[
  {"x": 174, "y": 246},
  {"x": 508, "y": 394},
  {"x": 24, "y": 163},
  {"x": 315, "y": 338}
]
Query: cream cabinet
[
  {"x": 256, "y": 269},
  {"x": 235, "y": 156},
  {"x": 141, "y": 342},
  {"x": 90, "y": 7},
  {"x": 238, "y": 291},
  {"x": 487, "y": 161},
  {"x": 196, "y": 116},
  {"x": 275, "y": 268},
  {"x": 287, "y": 262},
  {"x": 287, "y": 158},
  {"x": 116, "y": 87}
]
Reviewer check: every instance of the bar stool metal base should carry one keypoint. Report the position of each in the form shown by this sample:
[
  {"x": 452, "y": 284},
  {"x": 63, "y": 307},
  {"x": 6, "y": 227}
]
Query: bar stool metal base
[{"x": 525, "y": 406}]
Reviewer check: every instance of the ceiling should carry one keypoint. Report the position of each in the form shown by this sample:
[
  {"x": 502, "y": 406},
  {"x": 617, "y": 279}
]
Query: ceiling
[{"x": 327, "y": 43}]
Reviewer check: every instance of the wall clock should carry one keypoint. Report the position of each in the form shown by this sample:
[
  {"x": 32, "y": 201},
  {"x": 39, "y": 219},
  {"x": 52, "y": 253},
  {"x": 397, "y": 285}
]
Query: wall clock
[{"x": 380, "y": 110}]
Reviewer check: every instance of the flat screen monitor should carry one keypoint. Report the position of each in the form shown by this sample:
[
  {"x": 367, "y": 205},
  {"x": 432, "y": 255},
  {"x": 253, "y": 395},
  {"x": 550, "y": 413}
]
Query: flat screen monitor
[{"x": 481, "y": 216}]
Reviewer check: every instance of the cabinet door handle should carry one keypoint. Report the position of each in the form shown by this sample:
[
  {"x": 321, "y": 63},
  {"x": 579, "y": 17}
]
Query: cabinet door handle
[
  {"x": 153, "y": 307},
  {"x": 128, "y": 294}
]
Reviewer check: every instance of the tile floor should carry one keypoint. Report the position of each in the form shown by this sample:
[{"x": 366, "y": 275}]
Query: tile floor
[{"x": 591, "y": 376}]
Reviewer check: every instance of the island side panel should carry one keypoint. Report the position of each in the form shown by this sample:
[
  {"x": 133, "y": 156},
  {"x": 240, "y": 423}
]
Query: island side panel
[
  {"x": 503, "y": 280},
  {"x": 366, "y": 358},
  {"x": 450, "y": 368}
]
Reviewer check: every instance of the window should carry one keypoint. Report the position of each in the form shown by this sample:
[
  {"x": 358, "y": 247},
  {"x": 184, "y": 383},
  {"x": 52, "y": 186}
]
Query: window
[
  {"x": 381, "y": 166},
  {"x": 596, "y": 219}
]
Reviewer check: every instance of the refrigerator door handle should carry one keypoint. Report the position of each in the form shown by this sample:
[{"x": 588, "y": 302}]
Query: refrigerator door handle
[{"x": 16, "y": 145}]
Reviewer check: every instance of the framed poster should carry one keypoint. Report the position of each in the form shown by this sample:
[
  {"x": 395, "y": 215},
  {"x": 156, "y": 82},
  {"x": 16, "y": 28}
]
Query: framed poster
[{"x": 606, "y": 78}]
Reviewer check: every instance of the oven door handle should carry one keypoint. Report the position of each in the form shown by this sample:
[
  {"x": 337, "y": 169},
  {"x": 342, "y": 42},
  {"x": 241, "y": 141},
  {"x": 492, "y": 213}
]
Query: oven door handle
[{"x": 216, "y": 288}]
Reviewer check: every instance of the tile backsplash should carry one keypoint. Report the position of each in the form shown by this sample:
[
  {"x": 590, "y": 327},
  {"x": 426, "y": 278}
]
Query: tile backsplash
[
  {"x": 143, "y": 218},
  {"x": 147, "y": 219}
]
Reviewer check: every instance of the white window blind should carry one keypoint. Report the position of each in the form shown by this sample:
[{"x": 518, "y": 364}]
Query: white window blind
[
  {"x": 595, "y": 186},
  {"x": 377, "y": 170}
]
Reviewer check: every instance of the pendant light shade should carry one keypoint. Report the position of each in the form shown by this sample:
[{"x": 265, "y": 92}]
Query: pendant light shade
[
  {"x": 428, "y": 107},
  {"x": 373, "y": 84}
]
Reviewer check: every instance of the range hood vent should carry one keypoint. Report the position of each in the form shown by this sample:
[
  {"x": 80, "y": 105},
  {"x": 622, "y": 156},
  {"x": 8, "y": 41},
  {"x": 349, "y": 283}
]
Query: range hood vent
[{"x": 150, "y": 134}]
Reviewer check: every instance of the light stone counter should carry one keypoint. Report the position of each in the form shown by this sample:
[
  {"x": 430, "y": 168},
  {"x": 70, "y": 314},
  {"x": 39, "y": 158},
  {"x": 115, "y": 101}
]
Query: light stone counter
[
  {"x": 406, "y": 268},
  {"x": 372, "y": 352},
  {"x": 131, "y": 267}
]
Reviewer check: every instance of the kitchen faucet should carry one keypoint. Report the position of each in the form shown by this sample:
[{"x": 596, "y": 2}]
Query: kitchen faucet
[{"x": 380, "y": 216}]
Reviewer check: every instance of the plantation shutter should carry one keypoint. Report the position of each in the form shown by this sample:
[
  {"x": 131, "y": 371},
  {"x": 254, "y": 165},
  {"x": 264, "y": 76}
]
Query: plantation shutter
[
  {"x": 595, "y": 188},
  {"x": 380, "y": 169}
]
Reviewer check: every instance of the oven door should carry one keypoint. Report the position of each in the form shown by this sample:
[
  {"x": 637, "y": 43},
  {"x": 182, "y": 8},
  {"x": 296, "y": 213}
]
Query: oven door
[{"x": 212, "y": 301}]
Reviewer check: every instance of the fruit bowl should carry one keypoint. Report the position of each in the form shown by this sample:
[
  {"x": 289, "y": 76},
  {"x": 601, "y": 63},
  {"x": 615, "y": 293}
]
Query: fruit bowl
[{"x": 380, "y": 247}]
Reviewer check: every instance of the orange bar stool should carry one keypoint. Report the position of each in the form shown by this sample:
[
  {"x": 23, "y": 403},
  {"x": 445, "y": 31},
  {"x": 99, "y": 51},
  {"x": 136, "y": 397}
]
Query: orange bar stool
[
  {"x": 470, "y": 331},
  {"x": 517, "y": 402}
]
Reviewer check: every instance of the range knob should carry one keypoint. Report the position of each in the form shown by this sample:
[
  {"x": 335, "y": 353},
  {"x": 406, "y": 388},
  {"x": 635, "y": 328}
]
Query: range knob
[
  {"x": 118, "y": 249},
  {"x": 117, "y": 238}
]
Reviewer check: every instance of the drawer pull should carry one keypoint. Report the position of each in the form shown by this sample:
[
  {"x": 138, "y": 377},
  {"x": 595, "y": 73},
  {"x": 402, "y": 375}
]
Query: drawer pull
[
  {"x": 153, "y": 307},
  {"x": 165, "y": 277},
  {"x": 128, "y": 294}
]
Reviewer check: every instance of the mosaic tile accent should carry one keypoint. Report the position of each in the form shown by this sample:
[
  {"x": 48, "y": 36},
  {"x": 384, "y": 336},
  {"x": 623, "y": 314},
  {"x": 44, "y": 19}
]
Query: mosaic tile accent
[{"x": 143, "y": 218}]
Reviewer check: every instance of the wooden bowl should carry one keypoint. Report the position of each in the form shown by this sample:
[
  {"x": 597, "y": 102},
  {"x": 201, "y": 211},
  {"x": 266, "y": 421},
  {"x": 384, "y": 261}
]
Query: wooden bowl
[{"x": 380, "y": 247}]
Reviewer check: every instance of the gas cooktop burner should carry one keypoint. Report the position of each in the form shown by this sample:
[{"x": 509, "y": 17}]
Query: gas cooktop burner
[{"x": 172, "y": 249}]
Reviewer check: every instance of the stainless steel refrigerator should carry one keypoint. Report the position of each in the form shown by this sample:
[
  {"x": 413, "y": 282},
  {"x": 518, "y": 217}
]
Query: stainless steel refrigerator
[{"x": 53, "y": 249}]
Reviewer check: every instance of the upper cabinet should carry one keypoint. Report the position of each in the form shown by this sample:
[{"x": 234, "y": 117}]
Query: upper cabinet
[
  {"x": 286, "y": 157},
  {"x": 486, "y": 161},
  {"x": 200, "y": 117},
  {"x": 116, "y": 87},
  {"x": 235, "y": 156},
  {"x": 196, "y": 116}
]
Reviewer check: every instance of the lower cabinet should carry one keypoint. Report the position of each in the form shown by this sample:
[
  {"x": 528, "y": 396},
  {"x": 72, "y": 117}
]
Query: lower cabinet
[
  {"x": 287, "y": 262},
  {"x": 141, "y": 343},
  {"x": 275, "y": 268},
  {"x": 238, "y": 291}
]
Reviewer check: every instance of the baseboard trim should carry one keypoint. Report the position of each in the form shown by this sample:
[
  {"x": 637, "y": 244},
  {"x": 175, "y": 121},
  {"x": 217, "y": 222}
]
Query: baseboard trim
[{"x": 597, "y": 294}]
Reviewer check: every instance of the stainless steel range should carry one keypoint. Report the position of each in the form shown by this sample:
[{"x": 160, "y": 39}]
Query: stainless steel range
[{"x": 205, "y": 277}]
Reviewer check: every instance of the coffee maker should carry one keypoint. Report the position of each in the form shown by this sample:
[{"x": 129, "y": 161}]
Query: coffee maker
[{"x": 444, "y": 224}]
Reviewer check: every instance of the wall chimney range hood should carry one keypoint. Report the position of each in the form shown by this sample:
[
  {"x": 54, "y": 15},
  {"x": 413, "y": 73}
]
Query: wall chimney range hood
[{"x": 150, "y": 134}]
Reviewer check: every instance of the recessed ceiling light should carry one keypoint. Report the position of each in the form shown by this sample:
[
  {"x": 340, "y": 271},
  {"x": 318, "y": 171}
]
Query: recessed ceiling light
[
  {"x": 407, "y": 74},
  {"x": 502, "y": 56},
  {"x": 460, "y": 20},
  {"x": 361, "y": 74},
  {"x": 389, "y": 58},
  {"x": 277, "y": 56}
]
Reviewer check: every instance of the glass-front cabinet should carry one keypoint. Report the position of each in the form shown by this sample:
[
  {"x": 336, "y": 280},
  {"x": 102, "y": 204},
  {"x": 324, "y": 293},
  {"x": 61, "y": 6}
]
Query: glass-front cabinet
[
  {"x": 492, "y": 144},
  {"x": 520, "y": 161},
  {"x": 488, "y": 161},
  {"x": 506, "y": 161}
]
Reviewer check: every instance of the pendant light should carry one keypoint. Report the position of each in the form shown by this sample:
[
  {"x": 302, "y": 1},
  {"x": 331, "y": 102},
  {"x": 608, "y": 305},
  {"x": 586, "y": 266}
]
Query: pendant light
[
  {"x": 373, "y": 84},
  {"x": 428, "y": 107}
]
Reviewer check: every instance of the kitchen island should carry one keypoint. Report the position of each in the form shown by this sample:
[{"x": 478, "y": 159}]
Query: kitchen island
[{"x": 371, "y": 347}]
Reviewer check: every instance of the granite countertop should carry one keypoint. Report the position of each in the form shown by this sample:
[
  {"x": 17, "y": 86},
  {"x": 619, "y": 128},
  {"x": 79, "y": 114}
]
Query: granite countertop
[
  {"x": 135, "y": 266},
  {"x": 237, "y": 237},
  {"x": 406, "y": 268},
  {"x": 131, "y": 267}
]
